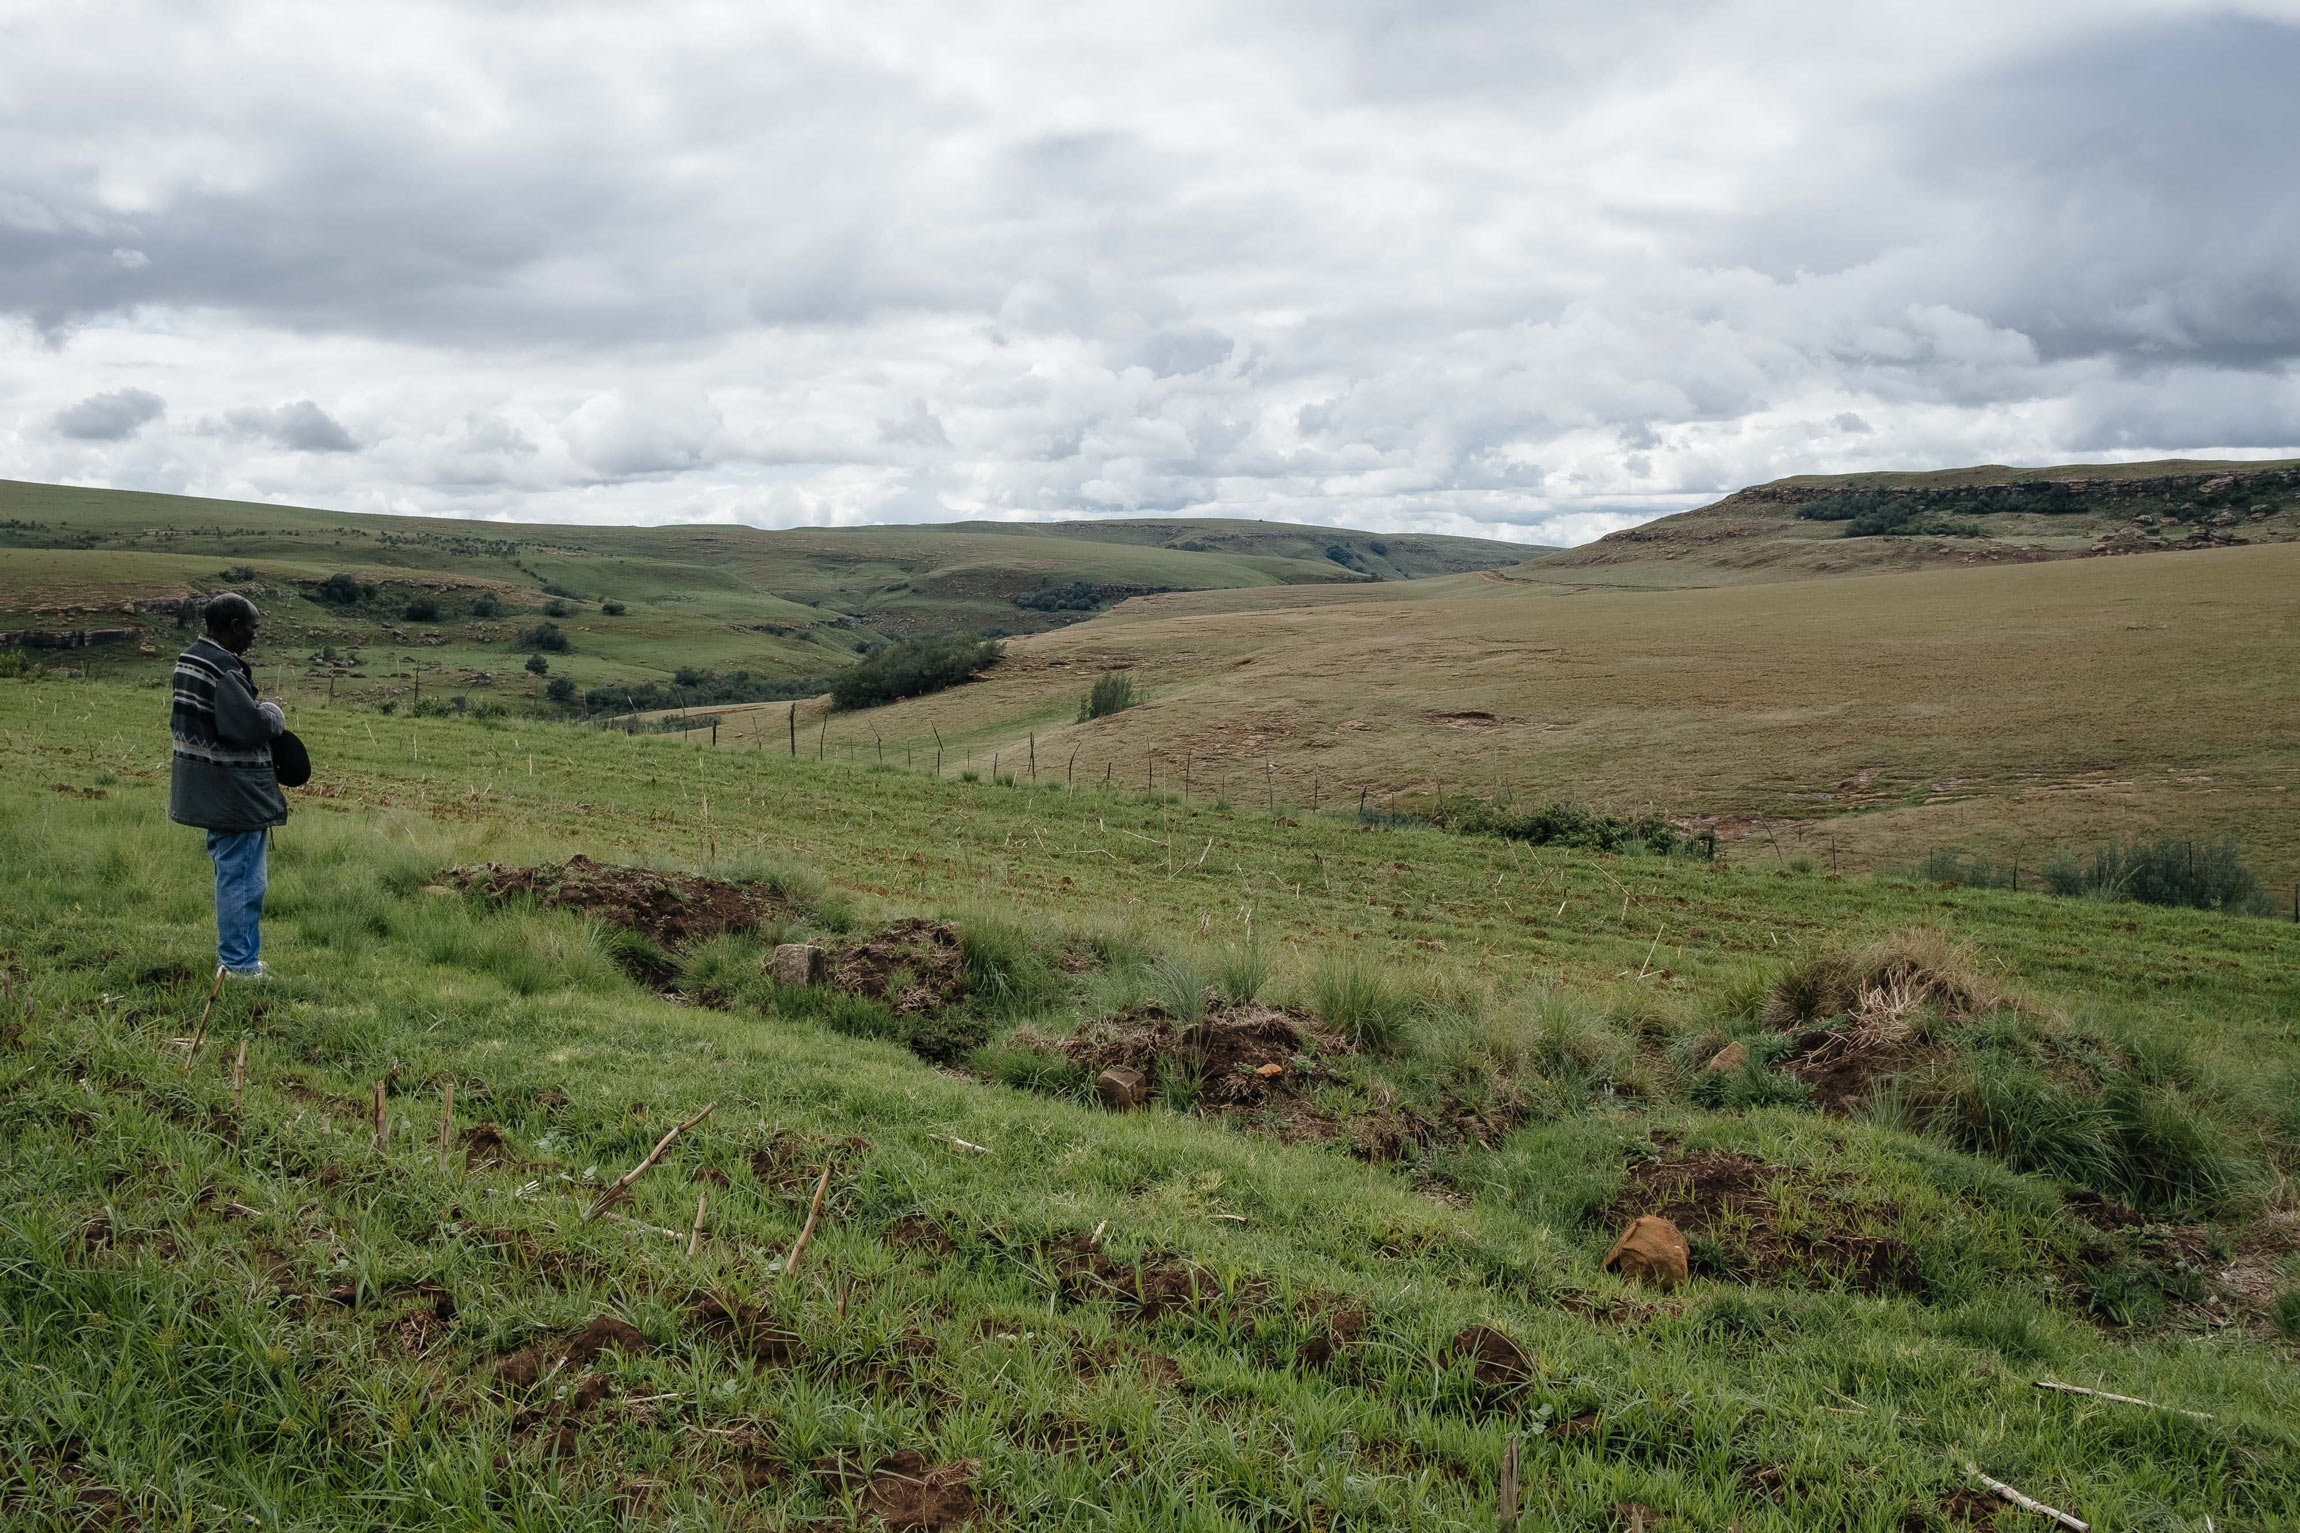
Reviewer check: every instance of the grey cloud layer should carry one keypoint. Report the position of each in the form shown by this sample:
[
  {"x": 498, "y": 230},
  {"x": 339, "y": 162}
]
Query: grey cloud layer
[{"x": 1528, "y": 271}]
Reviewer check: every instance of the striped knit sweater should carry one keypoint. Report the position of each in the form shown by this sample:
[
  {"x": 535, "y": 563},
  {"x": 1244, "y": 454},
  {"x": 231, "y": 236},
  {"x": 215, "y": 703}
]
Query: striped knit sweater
[{"x": 222, "y": 777}]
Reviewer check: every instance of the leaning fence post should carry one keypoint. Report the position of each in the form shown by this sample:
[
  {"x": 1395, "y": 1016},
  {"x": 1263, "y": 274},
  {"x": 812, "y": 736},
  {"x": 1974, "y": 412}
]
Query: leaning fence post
[{"x": 794, "y": 731}]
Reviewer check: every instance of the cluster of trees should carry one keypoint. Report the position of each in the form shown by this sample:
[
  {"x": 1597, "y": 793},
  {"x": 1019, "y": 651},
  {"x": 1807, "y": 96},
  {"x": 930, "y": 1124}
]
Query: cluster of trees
[
  {"x": 694, "y": 687},
  {"x": 912, "y": 668}
]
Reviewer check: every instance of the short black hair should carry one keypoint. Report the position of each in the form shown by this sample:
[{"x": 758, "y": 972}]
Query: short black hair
[{"x": 229, "y": 607}]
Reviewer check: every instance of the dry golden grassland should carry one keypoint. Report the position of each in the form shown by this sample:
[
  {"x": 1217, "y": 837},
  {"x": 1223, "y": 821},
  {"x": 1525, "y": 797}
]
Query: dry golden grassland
[{"x": 1867, "y": 720}]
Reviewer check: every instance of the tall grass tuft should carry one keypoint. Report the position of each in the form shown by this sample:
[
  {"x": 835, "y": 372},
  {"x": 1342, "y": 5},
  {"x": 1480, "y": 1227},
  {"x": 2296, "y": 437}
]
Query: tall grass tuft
[
  {"x": 1361, "y": 1003},
  {"x": 1241, "y": 971}
]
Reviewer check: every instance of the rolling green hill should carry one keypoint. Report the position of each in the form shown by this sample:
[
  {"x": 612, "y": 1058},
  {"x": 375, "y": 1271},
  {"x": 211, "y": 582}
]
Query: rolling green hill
[
  {"x": 780, "y": 605},
  {"x": 1816, "y": 524}
]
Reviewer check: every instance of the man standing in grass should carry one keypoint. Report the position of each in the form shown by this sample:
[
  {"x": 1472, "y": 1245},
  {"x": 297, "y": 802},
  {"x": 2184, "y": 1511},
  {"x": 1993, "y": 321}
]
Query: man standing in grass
[{"x": 223, "y": 780}]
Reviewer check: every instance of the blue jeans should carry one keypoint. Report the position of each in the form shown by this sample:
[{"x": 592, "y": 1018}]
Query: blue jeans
[{"x": 239, "y": 856}]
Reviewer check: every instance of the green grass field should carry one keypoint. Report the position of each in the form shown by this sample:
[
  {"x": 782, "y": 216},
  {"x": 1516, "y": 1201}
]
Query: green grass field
[
  {"x": 1976, "y": 1140},
  {"x": 796, "y": 604}
]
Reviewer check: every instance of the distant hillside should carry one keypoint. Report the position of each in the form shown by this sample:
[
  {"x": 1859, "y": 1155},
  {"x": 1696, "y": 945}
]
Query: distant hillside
[
  {"x": 1814, "y": 524},
  {"x": 1384, "y": 556},
  {"x": 108, "y": 570}
]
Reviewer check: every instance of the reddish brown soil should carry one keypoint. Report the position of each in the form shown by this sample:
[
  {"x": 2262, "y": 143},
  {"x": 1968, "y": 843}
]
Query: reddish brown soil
[
  {"x": 1144, "y": 1289},
  {"x": 916, "y": 1232},
  {"x": 1957, "y": 1509},
  {"x": 485, "y": 1149},
  {"x": 746, "y": 1330},
  {"x": 1843, "y": 1066},
  {"x": 789, "y": 1163},
  {"x": 903, "y": 1491},
  {"x": 1251, "y": 1060},
  {"x": 671, "y": 910},
  {"x": 913, "y": 966},
  {"x": 532, "y": 1363},
  {"x": 1726, "y": 1198},
  {"x": 1497, "y": 1361}
]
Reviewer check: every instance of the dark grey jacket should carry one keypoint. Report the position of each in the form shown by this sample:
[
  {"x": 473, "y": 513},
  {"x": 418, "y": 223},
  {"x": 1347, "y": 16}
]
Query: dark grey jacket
[{"x": 222, "y": 777}]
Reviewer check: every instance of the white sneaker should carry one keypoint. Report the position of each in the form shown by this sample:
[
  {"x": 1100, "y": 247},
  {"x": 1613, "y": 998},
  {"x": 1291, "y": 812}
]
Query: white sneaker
[{"x": 260, "y": 971}]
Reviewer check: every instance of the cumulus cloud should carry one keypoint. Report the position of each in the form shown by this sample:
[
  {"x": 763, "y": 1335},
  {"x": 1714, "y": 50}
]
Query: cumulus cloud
[
  {"x": 111, "y": 417},
  {"x": 299, "y": 427},
  {"x": 1532, "y": 272}
]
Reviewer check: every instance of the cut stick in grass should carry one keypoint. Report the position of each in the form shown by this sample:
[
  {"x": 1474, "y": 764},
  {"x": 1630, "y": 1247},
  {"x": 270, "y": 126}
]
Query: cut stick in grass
[
  {"x": 953, "y": 1139},
  {"x": 2005, "y": 1492},
  {"x": 807, "y": 1230},
  {"x": 201, "y": 1031},
  {"x": 1508, "y": 1496},
  {"x": 2102, "y": 1394},
  {"x": 446, "y": 1123},
  {"x": 623, "y": 1185},
  {"x": 695, "y": 1237},
  {"x": 382, "y": 1120},
  {"x": 240, "y": 1079}
]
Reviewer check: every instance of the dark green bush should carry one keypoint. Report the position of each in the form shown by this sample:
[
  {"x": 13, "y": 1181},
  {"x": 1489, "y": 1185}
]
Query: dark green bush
[
  {"x": 691, "y": 687},
  {"x": 1113, "y": 692},
  {"x": 1078, "y": 596},
  {"x": 560, "y": 690},
  {"x": 613, "y": 608},
  {"x": 421, "y": 610},
  {"x": 2166, "y": 871},
  {"x": 543, "y": 636},
  {"x": 486, "y": 604},
  {"x": 555, "y": 608},
  {"x": 1565, "y": 825},
  {"x": 912, "y": 668},
  {"x": 341, "y": 590},
  {"x": 537, "y": 666}
]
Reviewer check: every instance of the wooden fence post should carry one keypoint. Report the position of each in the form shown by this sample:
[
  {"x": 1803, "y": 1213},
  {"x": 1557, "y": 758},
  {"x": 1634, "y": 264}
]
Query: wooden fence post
[{"x": 794, "y": 731}]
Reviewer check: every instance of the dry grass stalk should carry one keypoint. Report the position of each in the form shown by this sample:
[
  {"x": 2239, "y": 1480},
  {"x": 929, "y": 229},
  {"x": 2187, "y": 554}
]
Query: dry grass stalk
[
  {"x": 240, "y": 1079},
  {"x": 446, "y": 1124},
  {"x": 2005, "y": 1492},
  {"x": 623, "y": 1184},
  {"x": 382, "y": 1120},
  {"x": 2102, "y": 1394},
  {"x": 201, "y": 1031},
  {"x": 695, "y": 1236},
  {"x": 807, "y": 1230}
]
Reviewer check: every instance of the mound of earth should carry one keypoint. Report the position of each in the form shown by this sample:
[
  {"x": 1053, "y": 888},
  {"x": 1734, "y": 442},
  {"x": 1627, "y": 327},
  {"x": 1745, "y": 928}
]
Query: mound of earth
[
  {"x": 671, "y": 910},
  {"x": 1864, "y": 1017},
  {"x": 1243, "y": 1058},
  {"x": 914, "y": 966},
  {"x": 1727, "y": 1206}
]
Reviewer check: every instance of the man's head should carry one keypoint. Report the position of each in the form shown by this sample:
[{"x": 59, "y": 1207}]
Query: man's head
[{"x": 232, "y": 621}]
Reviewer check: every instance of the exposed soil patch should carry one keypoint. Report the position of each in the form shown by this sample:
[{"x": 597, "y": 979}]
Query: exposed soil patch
[
  {"x": 914, "y": 966},
  {"x": 671, "y": 910},
  {"x": 1244, "y": 1059},
  {"x": 485, "y": 1148},
  {"x": 531, "y": 1364},
  {"x": 1864, "y": 1017},
  {"x": 903, "y": 1491},
  {"x": 1144, "y": 1289},
  {"x": 789, "y": 1163},
  {"x": 747, "y": 1330},
  {"x": 1496, "y": 1360},
  {"x": 1725, "y": 1204},
  {"x": 916, "y": 1232},
  {"x": 1956, "y": 1509}
]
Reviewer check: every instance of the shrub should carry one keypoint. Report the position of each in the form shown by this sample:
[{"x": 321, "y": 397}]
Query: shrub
[
  {"x": 421, "y": 610},
  {"x": 2288, "y": 1314},
  {"x": 486, "y": 604},
  {"x": 1241, "y": 972},
  {"x": 538, "y": 666},
  {"x": 1113, "y": 693},
  {"x": 341, "y": 590},
  {"x": 1564, "y": 825},
  {"x": 543, "y": 636},
  {"x": 692, "y": 688},
  {"x": 560, "y": 690},
  {"x": 2166, "y": 871},
  {"x": 912, "y": 668},
  {"x": 15, "y": 665},
  {"x": 613, "y": 608},
  {"x": 555, "y": 608}
]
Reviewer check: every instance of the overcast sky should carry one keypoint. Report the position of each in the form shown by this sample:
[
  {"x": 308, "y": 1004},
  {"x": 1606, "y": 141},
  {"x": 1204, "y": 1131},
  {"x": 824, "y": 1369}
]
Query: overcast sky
[{"x": 1524, "y": 270}]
